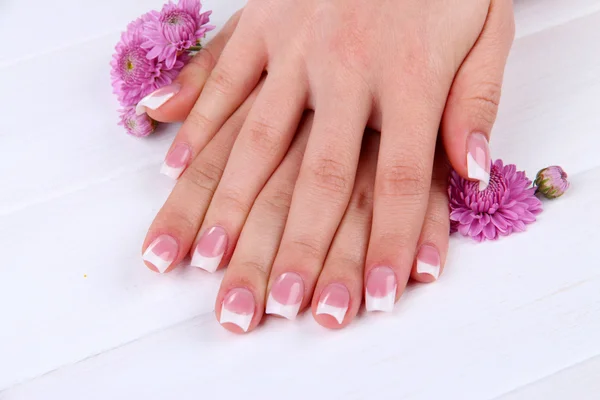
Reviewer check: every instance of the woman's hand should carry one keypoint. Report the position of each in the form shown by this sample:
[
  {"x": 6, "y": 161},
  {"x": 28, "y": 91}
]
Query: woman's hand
[{"x": 400, "y": 66}]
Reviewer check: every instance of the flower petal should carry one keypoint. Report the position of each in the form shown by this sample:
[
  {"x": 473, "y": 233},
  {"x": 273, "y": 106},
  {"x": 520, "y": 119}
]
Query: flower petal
[
  {"x": 508, "y": 214},
  {"x": 464, "y": 229},
  {"x": 490, "y": 231},
  {"x": 476, "y": 228},
  {"x": 500, "y": 223},
  {"x": 519, "y": 226}
]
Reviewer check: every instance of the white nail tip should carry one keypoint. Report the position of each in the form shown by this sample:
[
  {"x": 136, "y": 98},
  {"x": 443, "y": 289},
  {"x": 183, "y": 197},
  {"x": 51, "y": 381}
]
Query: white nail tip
[
  {"x": 171, "y": 172},
  {"x": 336, "y": 312},
  {"x": 425, "y": 268},
  {"x": 160, "y": 263},
  {"x": 152, "y": 102},
  {"x": 475, "y": 171},
  {"x": 287, "y": 311},
  {"x": 241, "y": 320},
  {"x": 210, "y": 264},
  {"x": 385, "y": 304}
]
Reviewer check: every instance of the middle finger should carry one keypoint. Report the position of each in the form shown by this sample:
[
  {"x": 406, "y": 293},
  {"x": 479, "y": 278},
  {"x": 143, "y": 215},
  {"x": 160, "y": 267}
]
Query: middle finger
[{"x": 410, "y": 114}]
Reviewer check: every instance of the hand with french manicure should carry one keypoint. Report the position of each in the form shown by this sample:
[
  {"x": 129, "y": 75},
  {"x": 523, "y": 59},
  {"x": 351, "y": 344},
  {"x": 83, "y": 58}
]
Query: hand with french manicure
[{"x": 406, "y": 68}]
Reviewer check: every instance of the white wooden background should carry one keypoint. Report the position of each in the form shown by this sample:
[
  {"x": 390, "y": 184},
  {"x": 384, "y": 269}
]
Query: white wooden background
[{"x": 514, "y": 319}]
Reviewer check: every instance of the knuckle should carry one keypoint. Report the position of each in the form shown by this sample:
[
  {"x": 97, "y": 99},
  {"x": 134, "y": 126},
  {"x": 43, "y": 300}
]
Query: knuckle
[
  {"x": 309, "y": 247},
  {"x": 233, "y": 201},
  {"x": 221, "y": 81},
  {"x": 264, "y": 138},
  {"x": 484, "y": 101},
  {"x": 331, "y": 175},
  {"x": 403, "y": 180},
  {"x": 251, "y": 267},
  {"x": 198, "y": 120},
  {"x": 350, "y": 51},
  {"x": 204, "y": 175},
  {"x": 278, "y": 201},
  {"x": 205, "y": 61},
  {"x": 418, "y": 59}
]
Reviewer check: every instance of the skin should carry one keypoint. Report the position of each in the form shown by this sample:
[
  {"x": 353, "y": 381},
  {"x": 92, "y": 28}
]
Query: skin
[{"x": 445, "y": 76}]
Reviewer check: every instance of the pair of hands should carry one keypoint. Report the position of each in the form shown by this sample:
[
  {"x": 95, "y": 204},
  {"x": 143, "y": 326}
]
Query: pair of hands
[{"x": 316, "y": 214}]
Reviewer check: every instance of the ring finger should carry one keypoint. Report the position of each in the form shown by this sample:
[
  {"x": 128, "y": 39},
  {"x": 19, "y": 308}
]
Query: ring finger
[{"x": 338, "y": 294}]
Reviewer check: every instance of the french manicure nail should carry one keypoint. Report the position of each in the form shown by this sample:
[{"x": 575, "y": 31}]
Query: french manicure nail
[
  {"x": 479, "y": 161},
  {"x": 334, "y": 301},
  {"x": 380, "y": 292},
  {"x": 428, "y": 261},
  {"x": 286, "y": 296},
  {"x": 161, "y": 252},
  {"x": 157, "y": 98},
  {"x": 176, "y": 161},
  {"x": 210, "y": 249},
  {"x": 238, "y": 308}
]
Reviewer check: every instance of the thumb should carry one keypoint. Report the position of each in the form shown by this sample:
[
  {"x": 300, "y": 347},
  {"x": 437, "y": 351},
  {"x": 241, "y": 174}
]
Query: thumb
[
  {"x": 173, "y": 103},
  {"x": 475, "y": 94}
]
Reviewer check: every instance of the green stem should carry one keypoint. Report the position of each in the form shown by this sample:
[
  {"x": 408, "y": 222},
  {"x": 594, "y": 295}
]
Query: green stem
[{"x": 195, "y": 48}]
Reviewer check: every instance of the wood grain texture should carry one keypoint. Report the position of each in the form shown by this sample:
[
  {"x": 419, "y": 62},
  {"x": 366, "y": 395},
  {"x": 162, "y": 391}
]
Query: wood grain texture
[{"x": 516, "y": 319}]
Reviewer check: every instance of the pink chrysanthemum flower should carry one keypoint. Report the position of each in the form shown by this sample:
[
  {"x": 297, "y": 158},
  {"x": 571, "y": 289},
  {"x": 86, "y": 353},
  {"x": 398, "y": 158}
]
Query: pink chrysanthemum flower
[
  {"x": 133, "y": 74},
  {"x": 504, "y": 207},
  {"x": 137, "y": 125},
  {"x": 175, "y": 29}
]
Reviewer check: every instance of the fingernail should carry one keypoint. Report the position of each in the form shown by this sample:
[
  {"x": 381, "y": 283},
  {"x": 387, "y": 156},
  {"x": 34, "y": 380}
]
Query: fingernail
[
  {"x": 161, "y": 252},
  {"x": 210, "y": 249},
  {"x": 157, "y": 98},
  {"x": 380, "y": 293},
  {"x": 479, "y": 160},
  {"x": 238, "y": 308},
  {"x": 286, "y": 295},
  {"x": 334, "y": 301},
  {"x": 176, "y": 161},
  {"x": 428, "y": 261}
]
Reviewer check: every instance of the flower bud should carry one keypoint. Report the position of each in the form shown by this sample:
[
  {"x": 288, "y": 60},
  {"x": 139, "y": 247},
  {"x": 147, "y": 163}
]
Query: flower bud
[
  {"x": 552, "y": 182},
  {"x": 137, "y": 125}
]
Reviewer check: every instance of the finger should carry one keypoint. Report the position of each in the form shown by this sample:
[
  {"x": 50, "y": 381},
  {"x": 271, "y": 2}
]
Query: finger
[
  {"x": 174, "y": 102},
  {"x": 473, "y": 101},
  {"x": 410, "y": 120},
  {"x": 338, "y": 294},
  {"x": 433, "y": 242},
  {"x": 173, "y": 230},
  {"x": 240, "y": 302},
  {"x": 235, "y": 75},
  {"x": 259, "y": 148},
  {"x": 320, "y": 198}
]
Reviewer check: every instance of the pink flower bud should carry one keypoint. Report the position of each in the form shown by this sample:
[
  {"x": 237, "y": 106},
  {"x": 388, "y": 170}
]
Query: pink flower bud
[
  {"x": 552, "y": 182},
  {"x": 137, "y": 125}
]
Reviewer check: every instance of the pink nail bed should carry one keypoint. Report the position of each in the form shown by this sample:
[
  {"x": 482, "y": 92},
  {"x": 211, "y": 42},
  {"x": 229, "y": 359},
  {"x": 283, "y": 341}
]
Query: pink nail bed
[
  {"x": 428, "y": 261},
  {"x": 380, "y": 291},
  {"x": 479, "y": 161},
  {"x": 161, "y": 252},
  {"x": 210, "y": 249},
  {"x": 286, "y": 295},
  {"x": 176, "y": 161},
  {"x": 334, "y": 301},
  {"x": 238, "y": 308}
]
